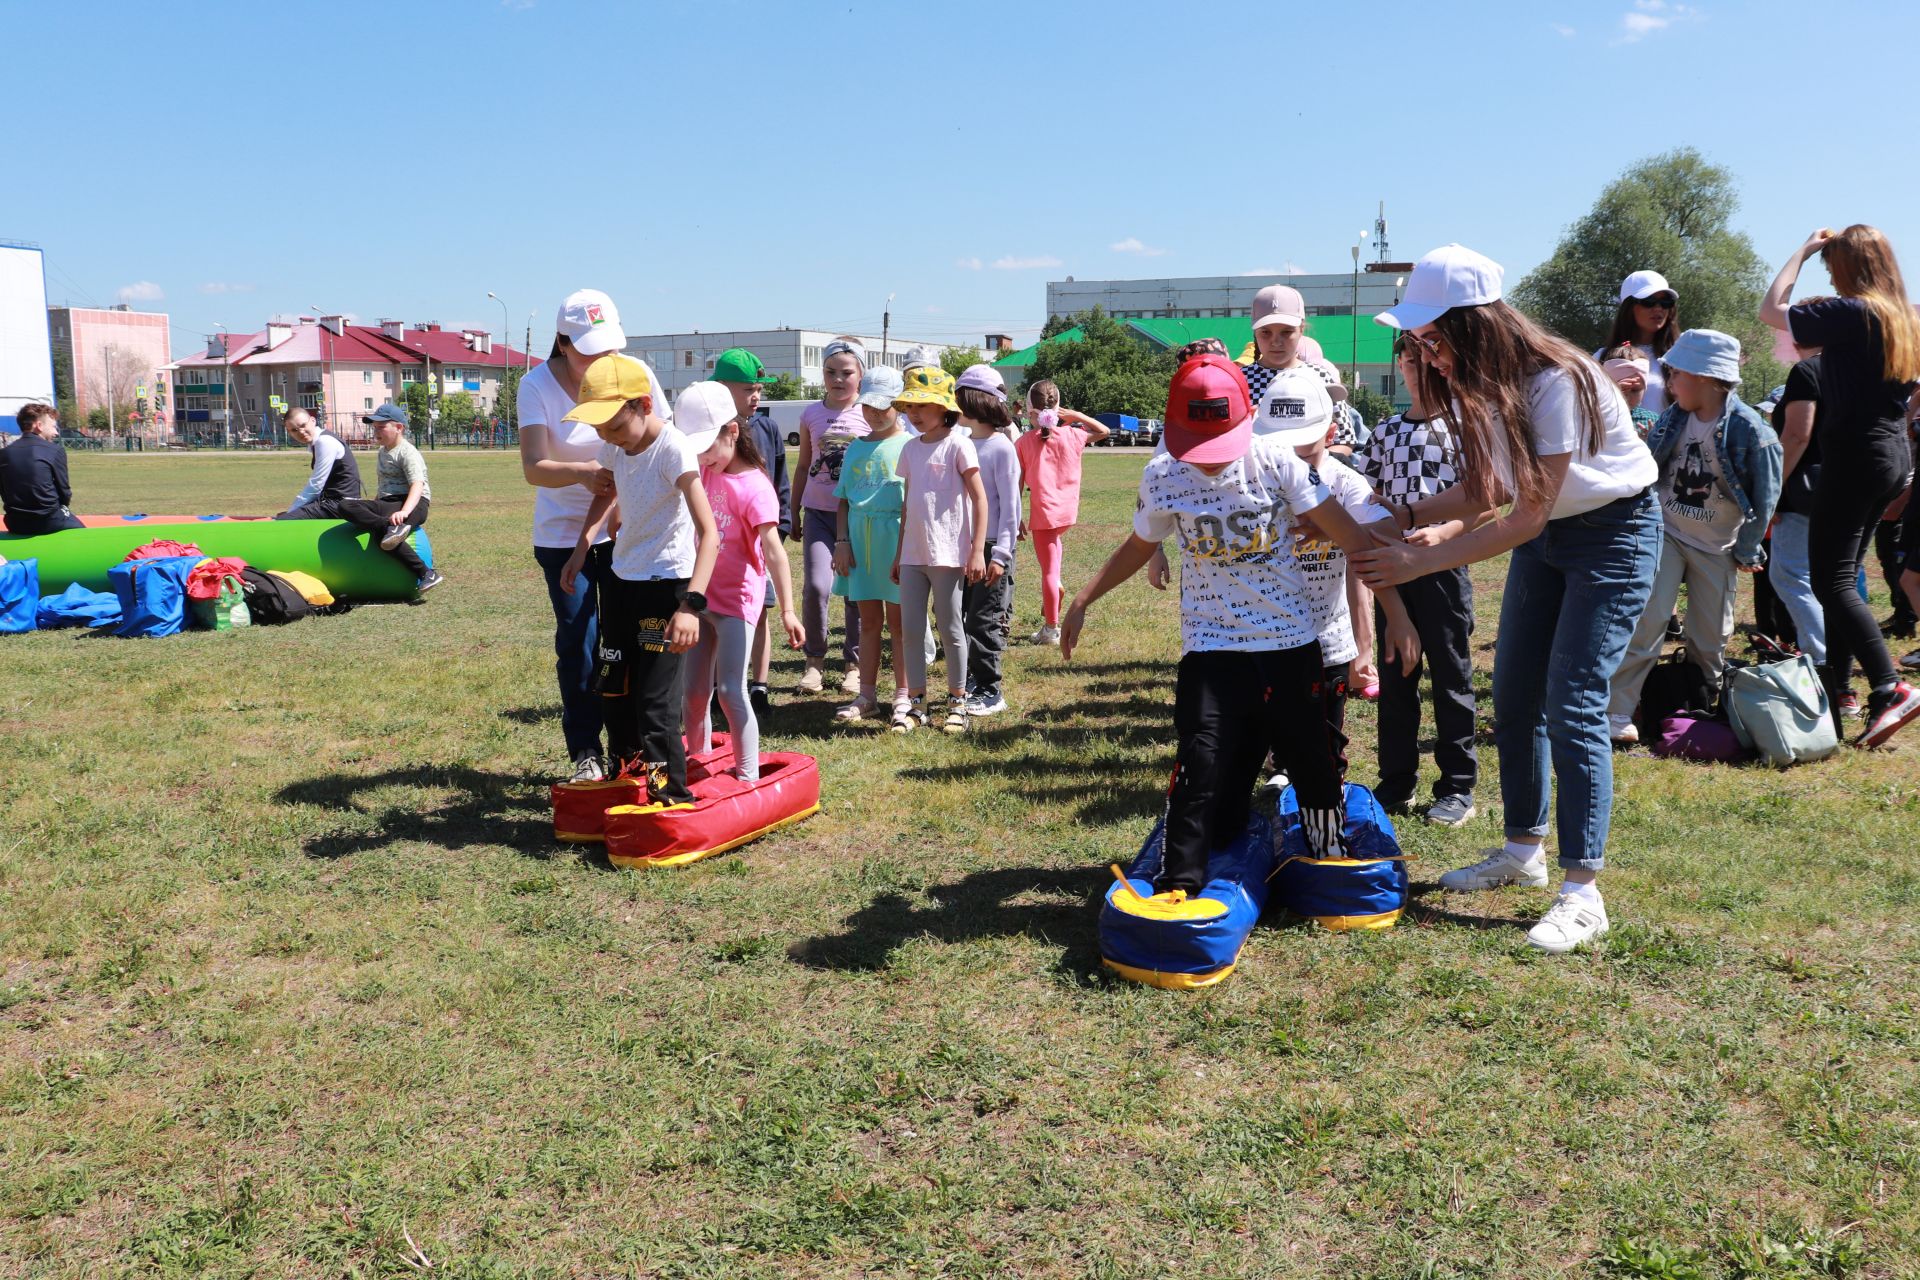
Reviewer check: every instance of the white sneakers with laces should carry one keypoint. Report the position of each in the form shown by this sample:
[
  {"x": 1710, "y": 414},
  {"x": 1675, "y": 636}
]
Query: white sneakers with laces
[
  {"x": 1573, "y": 918},
  {"x": 1496, "y": 870}
]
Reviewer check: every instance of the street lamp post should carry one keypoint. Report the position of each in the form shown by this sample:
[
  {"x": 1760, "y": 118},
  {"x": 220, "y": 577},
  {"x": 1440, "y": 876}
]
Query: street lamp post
[
  {"x": 506, "y": 343},
  {"x": 1393, "y": 365},
  {"x": 1353, "y": 354}
]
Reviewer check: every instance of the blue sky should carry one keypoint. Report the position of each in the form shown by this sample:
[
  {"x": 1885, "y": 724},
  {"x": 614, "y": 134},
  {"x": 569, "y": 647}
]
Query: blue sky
[{"x": 740, "y": 165}]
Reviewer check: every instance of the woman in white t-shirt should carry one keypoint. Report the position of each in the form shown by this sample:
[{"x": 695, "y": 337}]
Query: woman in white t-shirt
[
  {"x": 1648, "y": 320},
  {"x": 1542, "y": 428},
  {"x": 557, "y": 458}
]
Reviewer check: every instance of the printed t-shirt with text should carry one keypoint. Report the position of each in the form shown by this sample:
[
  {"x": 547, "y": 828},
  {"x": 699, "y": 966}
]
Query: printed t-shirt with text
[
  {"x": 1240, "y": 586},
  {"x": 1323, "y": 565}
]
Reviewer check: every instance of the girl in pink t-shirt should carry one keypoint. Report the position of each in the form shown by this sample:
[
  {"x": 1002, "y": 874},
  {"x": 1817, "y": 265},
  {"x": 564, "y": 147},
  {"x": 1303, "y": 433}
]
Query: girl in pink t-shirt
[
  {"x": 746, "y": 511},
  {"x": 1050, "y": 473}
]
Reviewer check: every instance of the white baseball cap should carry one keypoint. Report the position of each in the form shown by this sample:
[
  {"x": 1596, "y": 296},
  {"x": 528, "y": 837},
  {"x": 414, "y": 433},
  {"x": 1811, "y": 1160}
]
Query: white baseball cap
[
  {"x": 1644, "y": 284},
  {"x": 589, "y": 320},
  {"x": 1296, "y": 408},
  {"x": 1279, "y": 304},
  {"x": 701, "y": 410},
  {"x": 1450, "y": 276}
]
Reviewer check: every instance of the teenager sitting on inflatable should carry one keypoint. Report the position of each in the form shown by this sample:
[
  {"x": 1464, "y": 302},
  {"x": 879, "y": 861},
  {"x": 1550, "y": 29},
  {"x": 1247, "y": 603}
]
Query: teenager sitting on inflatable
[
  {"x": 34, "y": 488},
  {"x": 335, "y": 477}
]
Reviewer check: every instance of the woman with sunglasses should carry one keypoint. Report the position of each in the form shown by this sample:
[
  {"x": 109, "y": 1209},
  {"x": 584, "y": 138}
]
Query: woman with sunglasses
[
  {"x": 1541, "y": 428},
  {"x": 1648, "y": 320},
  {"x": 1869, "y": 340}
]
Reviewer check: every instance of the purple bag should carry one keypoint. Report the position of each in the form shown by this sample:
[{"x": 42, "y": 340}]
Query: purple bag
[{"x": 1697, "y": 738}]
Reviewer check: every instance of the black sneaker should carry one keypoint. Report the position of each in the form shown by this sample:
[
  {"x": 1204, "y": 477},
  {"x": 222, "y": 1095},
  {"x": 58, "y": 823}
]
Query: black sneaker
[
  {"x": 428, "y": 583},
  {"x": 760, "y": 699},
  {"x": 1451, "y": 811},
  {"x": 1898, "y": 626}
]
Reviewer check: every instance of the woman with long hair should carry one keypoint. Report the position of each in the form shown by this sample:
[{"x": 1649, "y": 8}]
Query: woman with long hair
[
  {"x": 1869, "y": 340},
  {"x": 557, "y": 458},
  {"x": 1541, "y": 428},
  {"x": 1648, "y": 320}
]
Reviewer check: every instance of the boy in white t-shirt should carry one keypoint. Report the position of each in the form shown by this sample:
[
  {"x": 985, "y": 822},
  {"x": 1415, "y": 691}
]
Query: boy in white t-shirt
[
  {"x": 663, "y": 556},
  {"x": 1250, "y": 668},
  {"x": 1296, "y": 410}
]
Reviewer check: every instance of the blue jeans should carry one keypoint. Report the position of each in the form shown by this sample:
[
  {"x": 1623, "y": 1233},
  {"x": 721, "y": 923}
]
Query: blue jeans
[
  {"x": 1573, "y": 596},
  {"x": 1790, "y": 569},
  {"x": 576, "y": 635}
]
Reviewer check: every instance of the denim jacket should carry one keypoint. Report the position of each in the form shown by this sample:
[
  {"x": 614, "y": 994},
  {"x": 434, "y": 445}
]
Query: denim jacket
[{"x": 1749, "y": 455}]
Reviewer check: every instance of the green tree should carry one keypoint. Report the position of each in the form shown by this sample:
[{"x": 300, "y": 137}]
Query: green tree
[
  {"x": 785, "y": 386},
  {"x": 957, "y": 360},
  {"x": 65, "y": 402},
  {"x": 417, "y": 398},
  {"x": 1671, "y": 213},
  {"x": 1109, "y": 371},
  {"x": 506, "y": 405},
  {"x": 458, "y": 412},
  {"x": 1374, "y": 408}
]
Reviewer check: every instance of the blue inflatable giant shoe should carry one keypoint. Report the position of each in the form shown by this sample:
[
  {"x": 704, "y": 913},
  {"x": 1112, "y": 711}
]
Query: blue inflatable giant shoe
[
  {"x": 1185, "y": 945},
  {"x": 1367, "y": 889}
]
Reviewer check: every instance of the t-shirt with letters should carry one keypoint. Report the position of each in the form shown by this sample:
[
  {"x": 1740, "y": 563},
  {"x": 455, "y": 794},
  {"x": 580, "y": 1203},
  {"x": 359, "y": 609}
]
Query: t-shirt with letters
[
  {"x": 1323, "y": 565},
  {"x": 656, "y": 529},
  {"x": 1694, "y": 496},
  {"x": 1240, "y": 586}
]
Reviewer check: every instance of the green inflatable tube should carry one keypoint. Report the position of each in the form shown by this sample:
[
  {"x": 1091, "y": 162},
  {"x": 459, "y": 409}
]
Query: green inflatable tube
[{"x": 352, "y": 566}]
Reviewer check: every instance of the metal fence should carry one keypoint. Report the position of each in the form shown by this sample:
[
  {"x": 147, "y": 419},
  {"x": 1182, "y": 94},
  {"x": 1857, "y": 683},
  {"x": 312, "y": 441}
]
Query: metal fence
[{"x": 484, "y": 434}]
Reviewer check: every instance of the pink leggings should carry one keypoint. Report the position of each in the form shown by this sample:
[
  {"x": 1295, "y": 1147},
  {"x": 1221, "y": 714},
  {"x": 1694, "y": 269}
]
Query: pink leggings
[{"x": 1047, "y": 549}]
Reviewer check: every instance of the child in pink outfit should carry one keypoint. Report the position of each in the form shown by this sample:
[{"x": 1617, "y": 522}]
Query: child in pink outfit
[{"x": 1050, "y": 473}]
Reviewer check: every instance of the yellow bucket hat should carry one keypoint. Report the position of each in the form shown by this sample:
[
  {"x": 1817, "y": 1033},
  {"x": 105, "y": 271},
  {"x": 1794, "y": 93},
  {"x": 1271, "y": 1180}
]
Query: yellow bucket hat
[{"x": 928, "y": 384}]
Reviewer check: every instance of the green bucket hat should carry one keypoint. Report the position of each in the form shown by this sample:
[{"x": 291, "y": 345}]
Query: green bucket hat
[{"x": 737, "y": 364}]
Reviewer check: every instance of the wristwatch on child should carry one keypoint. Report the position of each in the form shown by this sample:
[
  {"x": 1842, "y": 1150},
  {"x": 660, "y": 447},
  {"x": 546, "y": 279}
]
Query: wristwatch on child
[{"x": 693, "y": 602}]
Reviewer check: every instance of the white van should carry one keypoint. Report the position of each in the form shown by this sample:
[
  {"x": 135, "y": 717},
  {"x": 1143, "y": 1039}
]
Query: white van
[{"x": 786, "y": 416}]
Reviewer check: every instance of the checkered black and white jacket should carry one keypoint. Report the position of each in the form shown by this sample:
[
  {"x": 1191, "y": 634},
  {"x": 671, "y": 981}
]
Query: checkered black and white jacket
[{"x": 1408, "y": 458}]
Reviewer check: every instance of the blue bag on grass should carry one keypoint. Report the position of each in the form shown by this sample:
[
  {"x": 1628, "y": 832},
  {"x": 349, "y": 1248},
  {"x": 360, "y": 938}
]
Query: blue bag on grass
[
  {"x": 78, "y": 607},
  {"x": 1199, "y": 942},
  {"x": 1366, "y": 890},
  {"x": 152, "y": 595},
  {"x": 19, "y": 595}
]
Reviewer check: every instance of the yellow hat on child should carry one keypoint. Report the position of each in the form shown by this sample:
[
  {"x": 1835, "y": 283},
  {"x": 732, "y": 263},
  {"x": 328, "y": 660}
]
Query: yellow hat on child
[
  {"x": 608, "y": 384},
  {"x": 928, "y": 384}
]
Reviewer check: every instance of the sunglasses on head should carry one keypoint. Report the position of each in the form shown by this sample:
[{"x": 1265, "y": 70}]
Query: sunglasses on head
[
  {"x": 1666, "y": 300},
  {"x": 1213, "y": 410}
]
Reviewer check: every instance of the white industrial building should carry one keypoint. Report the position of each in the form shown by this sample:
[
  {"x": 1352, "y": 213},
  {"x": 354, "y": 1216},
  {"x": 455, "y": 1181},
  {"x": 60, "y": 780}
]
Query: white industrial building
[{"x": 684, "y": 358}]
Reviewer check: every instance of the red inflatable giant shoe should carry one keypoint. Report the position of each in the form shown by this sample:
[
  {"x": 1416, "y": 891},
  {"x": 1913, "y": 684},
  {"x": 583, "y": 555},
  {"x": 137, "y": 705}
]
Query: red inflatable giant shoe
[{"x": 725, "y": 812}]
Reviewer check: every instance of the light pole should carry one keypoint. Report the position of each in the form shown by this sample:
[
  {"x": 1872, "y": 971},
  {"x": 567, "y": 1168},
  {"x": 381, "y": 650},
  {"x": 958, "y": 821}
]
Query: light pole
[
  {"x": 886, "y": 322},
  {"x": 1353, "y": 355},
  {"x": 506, "y": 343},
  {"x": 1393, "y": 365}
]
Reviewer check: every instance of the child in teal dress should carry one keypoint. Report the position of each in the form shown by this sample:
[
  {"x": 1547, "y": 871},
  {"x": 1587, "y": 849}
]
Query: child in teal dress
[{"x": 870, "y": 492}]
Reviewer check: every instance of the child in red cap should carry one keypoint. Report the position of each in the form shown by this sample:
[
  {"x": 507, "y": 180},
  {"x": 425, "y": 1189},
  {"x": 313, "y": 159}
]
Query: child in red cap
[{"x": 1250, "y": 666}]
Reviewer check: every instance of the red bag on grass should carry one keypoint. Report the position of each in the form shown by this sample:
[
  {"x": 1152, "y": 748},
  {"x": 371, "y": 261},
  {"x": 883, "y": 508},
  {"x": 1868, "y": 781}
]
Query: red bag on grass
[
  {"x": 204, "y": 582},
  {"x": 163, "y": 549}
]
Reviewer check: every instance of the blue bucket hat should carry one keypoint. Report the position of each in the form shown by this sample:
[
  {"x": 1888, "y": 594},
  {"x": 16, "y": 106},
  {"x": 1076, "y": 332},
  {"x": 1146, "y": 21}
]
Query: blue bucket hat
[{"x": 1706, "y": 352}]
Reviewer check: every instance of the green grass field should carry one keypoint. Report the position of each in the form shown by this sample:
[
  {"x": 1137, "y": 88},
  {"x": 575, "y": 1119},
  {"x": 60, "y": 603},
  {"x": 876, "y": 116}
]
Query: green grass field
[{"x": 293, "y": 982}]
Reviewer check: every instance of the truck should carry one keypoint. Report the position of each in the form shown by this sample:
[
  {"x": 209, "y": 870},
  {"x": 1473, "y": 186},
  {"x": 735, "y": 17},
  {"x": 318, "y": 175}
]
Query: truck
[{"x": 1122, "y": 428}]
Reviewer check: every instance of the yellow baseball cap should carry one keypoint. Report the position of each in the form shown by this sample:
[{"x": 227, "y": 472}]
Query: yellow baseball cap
[
  {"x": 929, "y": 384},
  {"x": 609, "y": 383}
]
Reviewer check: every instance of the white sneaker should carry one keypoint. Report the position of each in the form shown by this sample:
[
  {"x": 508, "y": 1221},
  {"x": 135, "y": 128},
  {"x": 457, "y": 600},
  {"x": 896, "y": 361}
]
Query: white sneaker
[
  {"x": 1622, "y": 729},
  {"x": 1573, "y": 919},
  {"x": 1494, "y": 870},
  {"x": 850, "y": 683},
  {"x": 588, "y": 769},
  {"x": 1045, "y": 635},
  {"x": 812, "y": 681}
]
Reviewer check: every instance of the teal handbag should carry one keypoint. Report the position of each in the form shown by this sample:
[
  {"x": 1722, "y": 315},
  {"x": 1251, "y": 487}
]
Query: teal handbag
[{"x": 1781, "y": 711}]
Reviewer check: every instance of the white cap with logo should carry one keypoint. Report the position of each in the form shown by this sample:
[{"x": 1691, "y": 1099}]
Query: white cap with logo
[
  {"x": 1450, "y": 276},
  {"x": 1296, "y": 408},
  {"x": 1279, "y": 304},
  {"x": 589, "y": 320}
]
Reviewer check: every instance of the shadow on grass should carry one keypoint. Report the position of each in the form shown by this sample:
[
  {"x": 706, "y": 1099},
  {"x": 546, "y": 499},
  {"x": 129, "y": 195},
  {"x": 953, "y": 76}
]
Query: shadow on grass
[
  {"x": 1423, "y": 910},
  {"x": 532, "y": 715},
  {"x": 977, "y": 906},
  {"x": 487, "y": 809}
]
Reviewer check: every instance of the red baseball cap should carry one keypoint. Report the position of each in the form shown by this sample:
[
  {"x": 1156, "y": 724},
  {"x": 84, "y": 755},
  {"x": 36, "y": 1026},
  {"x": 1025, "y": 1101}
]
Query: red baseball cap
[{"x": 1209, "y": 413}]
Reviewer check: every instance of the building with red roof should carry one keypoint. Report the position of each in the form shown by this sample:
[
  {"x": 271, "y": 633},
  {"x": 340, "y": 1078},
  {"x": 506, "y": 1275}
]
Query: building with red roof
[{"x": 333, "y": 369}]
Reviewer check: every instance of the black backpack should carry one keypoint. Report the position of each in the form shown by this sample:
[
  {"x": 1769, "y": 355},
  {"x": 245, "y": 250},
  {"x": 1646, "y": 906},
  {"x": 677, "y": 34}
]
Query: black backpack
[
  {"x": 1676, "y": 686},
  {"x": 272, "y": 600}
]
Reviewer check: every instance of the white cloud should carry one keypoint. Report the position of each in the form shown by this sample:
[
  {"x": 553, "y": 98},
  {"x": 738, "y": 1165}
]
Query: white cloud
[
  {"x": 1264, "y": 271},
  {"x": 1563, "y": 30},
  {"x": 967, "y": 264},
  {"x": 1132, "y": 245},
  {"x": 141, "y": 291},
  {"x": 1650, "y": 16},
  {"x": 1288, "y": 267},
  {"x": 1011, "y": 263},
  {"x": 225, "y": 286}
]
